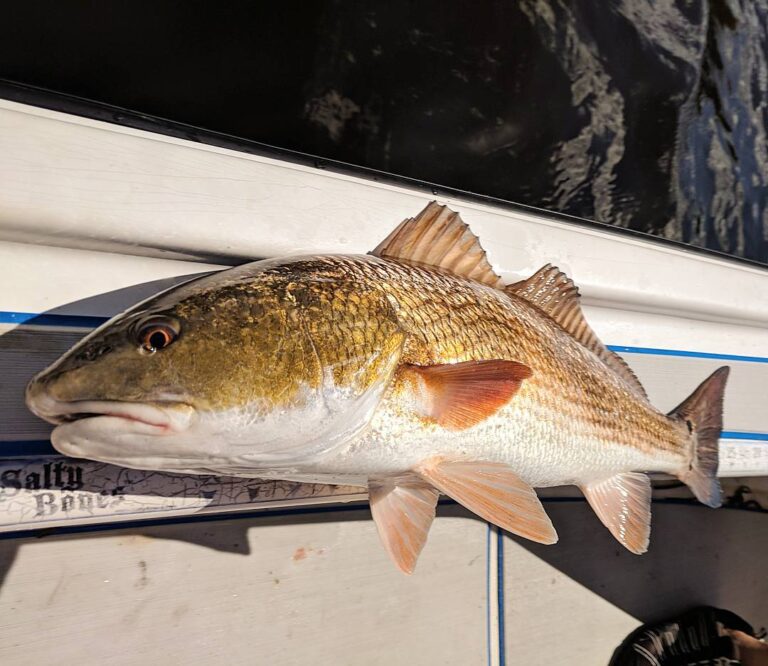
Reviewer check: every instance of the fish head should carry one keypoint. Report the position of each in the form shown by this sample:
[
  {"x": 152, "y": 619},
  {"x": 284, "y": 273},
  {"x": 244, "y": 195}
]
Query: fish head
[{"x": 253, "y": 370}]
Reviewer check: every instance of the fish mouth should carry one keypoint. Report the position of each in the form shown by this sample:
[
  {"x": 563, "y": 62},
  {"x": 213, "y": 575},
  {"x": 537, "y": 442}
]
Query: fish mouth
[{"x": 168, "y": 416}]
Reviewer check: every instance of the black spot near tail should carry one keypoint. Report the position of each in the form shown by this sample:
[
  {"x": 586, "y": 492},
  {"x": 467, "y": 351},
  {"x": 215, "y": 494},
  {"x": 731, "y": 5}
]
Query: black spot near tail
[{"x": 702, "y": 413}]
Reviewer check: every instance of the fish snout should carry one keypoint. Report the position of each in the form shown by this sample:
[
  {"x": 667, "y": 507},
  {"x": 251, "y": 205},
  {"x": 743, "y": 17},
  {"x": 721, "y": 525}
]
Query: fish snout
[
  {"x": 51, "y": 387},
  {"x": 40, "y": 401},
  {"x": 43, "y": 401}
]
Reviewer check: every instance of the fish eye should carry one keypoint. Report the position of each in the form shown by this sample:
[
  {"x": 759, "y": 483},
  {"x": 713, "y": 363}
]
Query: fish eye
[{"x": 154, "y": 335}]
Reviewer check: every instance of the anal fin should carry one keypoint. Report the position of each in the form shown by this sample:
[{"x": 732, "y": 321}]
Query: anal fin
[
  {"x": 494, "y": 492},
  {"x": 623, "y": 504},
  {"x": 403, "y": 511}
]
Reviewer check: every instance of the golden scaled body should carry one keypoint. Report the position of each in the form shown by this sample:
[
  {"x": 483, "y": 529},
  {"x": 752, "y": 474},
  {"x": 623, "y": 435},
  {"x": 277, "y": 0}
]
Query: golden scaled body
[
  {"x": 350, "y": 315},
  {"x": 411, "y": 370}
]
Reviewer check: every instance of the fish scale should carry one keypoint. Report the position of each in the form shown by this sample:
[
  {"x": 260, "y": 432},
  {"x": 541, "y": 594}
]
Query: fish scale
[{"x": 574, "y": 388}]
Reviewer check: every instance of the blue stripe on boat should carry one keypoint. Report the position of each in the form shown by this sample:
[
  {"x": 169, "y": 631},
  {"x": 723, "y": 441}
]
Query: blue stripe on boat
[
  {"x": 24, "y": 448},
  {"x": 755, "y": 436},
  {"x": 681, "y": 352},
  {"x": 33, "y": 319}
]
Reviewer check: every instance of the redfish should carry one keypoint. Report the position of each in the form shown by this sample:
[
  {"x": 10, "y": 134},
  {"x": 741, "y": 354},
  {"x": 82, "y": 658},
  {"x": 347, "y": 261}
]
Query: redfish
[{"x": 411, "y": 371}]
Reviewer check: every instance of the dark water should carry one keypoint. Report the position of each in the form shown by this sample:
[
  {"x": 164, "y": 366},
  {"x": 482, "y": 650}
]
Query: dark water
[{"x": 647, "y": 114}]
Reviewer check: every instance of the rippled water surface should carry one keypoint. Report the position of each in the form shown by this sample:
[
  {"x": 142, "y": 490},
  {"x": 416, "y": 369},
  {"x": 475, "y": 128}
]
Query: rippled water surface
[{"x": 647, "y": 114}]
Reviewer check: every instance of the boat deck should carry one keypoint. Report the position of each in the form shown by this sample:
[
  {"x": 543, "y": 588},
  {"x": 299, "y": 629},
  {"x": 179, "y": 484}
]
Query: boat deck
[{"x": 95, "y": 216}]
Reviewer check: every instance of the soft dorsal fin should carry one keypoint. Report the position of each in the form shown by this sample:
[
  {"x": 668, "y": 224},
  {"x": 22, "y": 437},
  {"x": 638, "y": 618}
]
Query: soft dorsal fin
[
  {"x": 439, "y": 238},
  {"x": 554, "y": 292}
]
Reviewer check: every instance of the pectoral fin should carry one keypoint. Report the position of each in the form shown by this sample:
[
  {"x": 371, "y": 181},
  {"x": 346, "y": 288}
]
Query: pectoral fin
[
  {"x": 403, "y": 511},
  {"x": 460, "y": 395},
  {"x": 494, "y": 492},
  {"x": 623, "y": 505}
]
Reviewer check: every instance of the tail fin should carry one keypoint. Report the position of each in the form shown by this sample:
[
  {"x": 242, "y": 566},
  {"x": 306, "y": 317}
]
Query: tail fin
[{"x": 702, "y": 412}]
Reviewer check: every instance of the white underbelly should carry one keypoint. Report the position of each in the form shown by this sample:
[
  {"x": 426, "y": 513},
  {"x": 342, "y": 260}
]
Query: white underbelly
[{"x": 542, "y": 453}]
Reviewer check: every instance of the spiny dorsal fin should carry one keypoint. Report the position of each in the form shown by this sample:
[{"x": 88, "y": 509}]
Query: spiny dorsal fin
[
  {"x": 554, "y": 292},
  {"x": 439, "y": 238}
]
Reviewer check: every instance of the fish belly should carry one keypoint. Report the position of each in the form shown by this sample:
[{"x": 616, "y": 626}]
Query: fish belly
[{"x": 541, "y": 451}]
